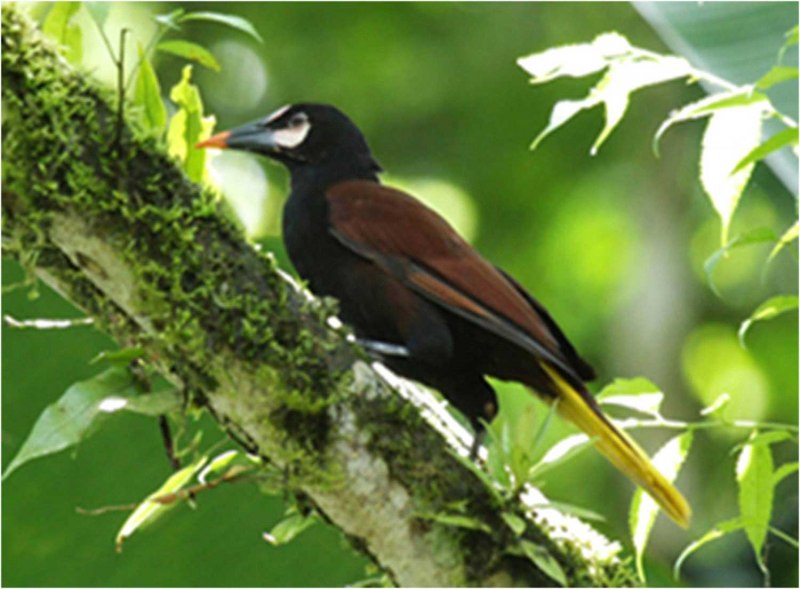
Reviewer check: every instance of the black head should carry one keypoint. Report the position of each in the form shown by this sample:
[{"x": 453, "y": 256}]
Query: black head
[{"x": 302, "y": 135}]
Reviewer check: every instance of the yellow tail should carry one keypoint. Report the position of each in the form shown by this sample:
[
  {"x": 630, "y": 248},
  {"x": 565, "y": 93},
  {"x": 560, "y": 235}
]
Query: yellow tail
[{"x": 620, "y": 450}]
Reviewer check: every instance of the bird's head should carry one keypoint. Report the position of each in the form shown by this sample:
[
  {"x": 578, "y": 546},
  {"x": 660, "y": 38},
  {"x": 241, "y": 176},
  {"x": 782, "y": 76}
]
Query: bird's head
[{"x": 299, "y": 135}]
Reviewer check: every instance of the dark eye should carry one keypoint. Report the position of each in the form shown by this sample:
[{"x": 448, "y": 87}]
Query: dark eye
[{"x": 298, "y": 120}]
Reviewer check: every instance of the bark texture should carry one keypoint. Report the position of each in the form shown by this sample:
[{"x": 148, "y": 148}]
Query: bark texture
[{"x": 117, "y": 229}]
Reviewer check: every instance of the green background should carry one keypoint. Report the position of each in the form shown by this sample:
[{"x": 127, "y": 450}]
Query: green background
[{"x": 613, "y": 245}]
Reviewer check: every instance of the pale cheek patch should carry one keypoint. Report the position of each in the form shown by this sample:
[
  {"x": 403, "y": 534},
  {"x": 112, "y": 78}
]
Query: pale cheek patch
[{"x": 290, "y": 138}]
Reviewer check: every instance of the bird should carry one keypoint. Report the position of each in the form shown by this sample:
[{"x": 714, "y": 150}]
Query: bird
[{"x": 418, "y": 295}]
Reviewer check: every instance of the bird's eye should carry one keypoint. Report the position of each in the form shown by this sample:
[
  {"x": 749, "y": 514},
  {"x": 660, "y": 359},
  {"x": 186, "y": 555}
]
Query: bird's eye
[{"x": 298, "y": 120}]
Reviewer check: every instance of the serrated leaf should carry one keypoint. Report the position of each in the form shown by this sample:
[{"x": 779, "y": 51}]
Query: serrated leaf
[
  {"x": 668, "y": 461},
  {"x": 544, "y": 561},
  {"x": 147, "y": 94},
  {"x": 788, "y": 237},
  {"x": 149, "y": 510},
  {"x": 58, "y": 26},
  {"x": 739, "y": 97},
  {"x": 188, "y": 127},
  {"x": 191, "y": 51},
  {"x": 730, "y": 135},
  {"x": 718, "y": 531},
  {"x": 777, "y": 75},
  {"x": 783, "y": 471},
  {"x": 785, "y": 138},
  {"x": 752, "y": 237},
  {"x": 769, "y": 309},
  {"x": 229, "y": 20},
  {"x": 289, "y": 528},
  {"x": 71, "y": 419},
  {"x": 754, "y": 472}
]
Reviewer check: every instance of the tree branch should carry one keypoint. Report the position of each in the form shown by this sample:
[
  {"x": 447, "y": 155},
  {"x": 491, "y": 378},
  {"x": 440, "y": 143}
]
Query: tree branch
[{"x": 118, "y": 230}]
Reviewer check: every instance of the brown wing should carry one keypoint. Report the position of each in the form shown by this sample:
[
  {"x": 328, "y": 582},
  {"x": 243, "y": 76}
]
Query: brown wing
[{"x": 414, "y": 244}]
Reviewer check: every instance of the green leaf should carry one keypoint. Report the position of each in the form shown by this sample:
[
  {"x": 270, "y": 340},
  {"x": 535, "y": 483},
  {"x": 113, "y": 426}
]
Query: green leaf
[
  {"x": 777, "y": 75},
  {"x": 188, "y": 126},
  {"x": 668, "y": 461},
  {"x": 150, "y": 509},
  {"x": 289, "y": 528},
  {"x": 58, "y": 25},
  {"x": 544, "y": 561},
  {"x": 784, "y": 471},
  {"x": 171, "y": 19},
  {"x": 754, "y": 236},
  {"x": 565, "y": 449},
  {"x": 98, "y": 11},
  {"x": 754, "y": 472},
  {"x": 456, "y": 520},
  {"x": 791, "y": 234},
  {"x": 721, "y": 529},
  {"x": 639, "y": 394},
  {"x": 191, "y": 51},
  {"x": 217, "y": 464},
  {"x": 515, "y": 522},
  {"x": 70, "y": 420},
  {"x": 791, "y": 39},
  {"x": 739, "y": 97},
  {"x": 730, "y": 135},
  {"x": 717, "y": 406},
  {"x": 235, "y": 22},
  {"x": 151, "y": 404},
  {"x": 121, "y": 357},
  {"x": 785, "y": 138},
  {"x": 769, "y": 309},
  {"x": 147, "y": 94}
]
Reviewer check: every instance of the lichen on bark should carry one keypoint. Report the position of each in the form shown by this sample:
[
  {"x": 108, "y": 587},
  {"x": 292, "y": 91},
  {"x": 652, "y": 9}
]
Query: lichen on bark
[{"x": 117, "y": 229}]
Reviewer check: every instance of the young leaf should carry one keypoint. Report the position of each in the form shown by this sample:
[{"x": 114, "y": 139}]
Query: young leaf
[
  {"x": 639, "y": 394},
  {"x": 752, "y": 237},
  {"x": 730, "y": 134},
  {"x": 785, "y": 138},
  {"x": 120, "y": 357},
  {"x": 784, "y": 471},
  {"x": 69, "y": 420},
  {"x": 769, "y": 309},
  {"x": 668, "y": 460},
  {"x": 791, "y": 234},
  {"x": 188, "y": 126},
  {"x": 150, "y": 509},
  {"x": 719, "y": 405},
  {"x": 289, "y": 528},
  {"x": 217, "y": 464},
  {"x": 565, "y": 449},
  {"x": 235, "y": 22},
  {"x": 754, "y": 472},
  {"x": 191, "y": 51},
  {"x": 147, "y": 94},
  {"x": 721, "y": 529},
  {"x": 171, "y": 19},
  {"x": 59, "y": 27},
  {"x": 776, "y": 75},
  {"x": 544, "y": 561}
]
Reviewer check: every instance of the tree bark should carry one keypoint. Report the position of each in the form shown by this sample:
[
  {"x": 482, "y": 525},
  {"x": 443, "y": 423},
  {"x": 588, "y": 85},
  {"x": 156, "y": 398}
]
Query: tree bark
[{"x": 115, "y": 227}]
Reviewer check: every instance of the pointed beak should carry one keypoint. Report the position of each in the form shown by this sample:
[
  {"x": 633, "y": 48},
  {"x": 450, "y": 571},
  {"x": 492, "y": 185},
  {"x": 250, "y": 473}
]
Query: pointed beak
[{"x": 250, "y": 137}]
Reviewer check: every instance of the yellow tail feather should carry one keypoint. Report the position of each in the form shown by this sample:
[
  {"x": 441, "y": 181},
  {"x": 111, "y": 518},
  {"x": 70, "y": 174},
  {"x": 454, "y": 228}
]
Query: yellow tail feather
[{"x": 620, "y": 450}]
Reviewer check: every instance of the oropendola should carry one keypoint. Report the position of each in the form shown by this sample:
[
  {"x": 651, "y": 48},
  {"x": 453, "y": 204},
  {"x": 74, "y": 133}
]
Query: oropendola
[{"x": 416, "y": 293}]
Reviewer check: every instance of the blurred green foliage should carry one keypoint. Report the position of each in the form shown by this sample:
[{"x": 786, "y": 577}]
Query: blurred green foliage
[{"x": 613, "y": 245}]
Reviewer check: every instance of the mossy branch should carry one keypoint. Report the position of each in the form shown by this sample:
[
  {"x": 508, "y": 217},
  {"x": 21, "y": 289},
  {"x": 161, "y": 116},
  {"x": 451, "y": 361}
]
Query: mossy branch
[{"x": 114, "y": 226}]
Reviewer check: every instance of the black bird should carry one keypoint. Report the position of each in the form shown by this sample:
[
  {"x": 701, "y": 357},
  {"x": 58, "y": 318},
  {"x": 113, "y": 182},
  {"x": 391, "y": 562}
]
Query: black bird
[{"x": 418, "y": 294}]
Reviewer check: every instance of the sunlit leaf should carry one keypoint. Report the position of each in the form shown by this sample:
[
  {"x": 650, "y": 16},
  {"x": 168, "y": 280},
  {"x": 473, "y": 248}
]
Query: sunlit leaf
[
  {"x": 149, "y": 510},
  {"x": 783, "y": 471},
  {"x": 230, "y": 20},
  {"x": 639, "y": 394},
  {"x": 717, "y": 406},
  {"x": 58, "y": 26},
  {"x": 777, "y": 75},
  {"x": 544, "y": 561},
  {"x": 715, "y": 533},
  {"x": 644, "y": 509},
  {"x": 754, "y": 472},
  {"x": 188, "y": 126},
  {"x": 71, "y": 419},
  {"x": 152, "y": 404},
  {"x": 752, "y": 237},
  {"x": 574, "y": 61},
  {"x": 98, "y": 11},
  {"x": 788, "y": 237},
  {"x": 170, "y": 20},
  {"x": 785, "y": 138},
  {"x": 289, "y": 528},
  {"x": 191, "y": 51},
  {"x": 769, "y": 309},
  {"x": 217, "y": 464},
  {"x": 147, "y": 94},
  {"x": 564, "y": 450}
]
